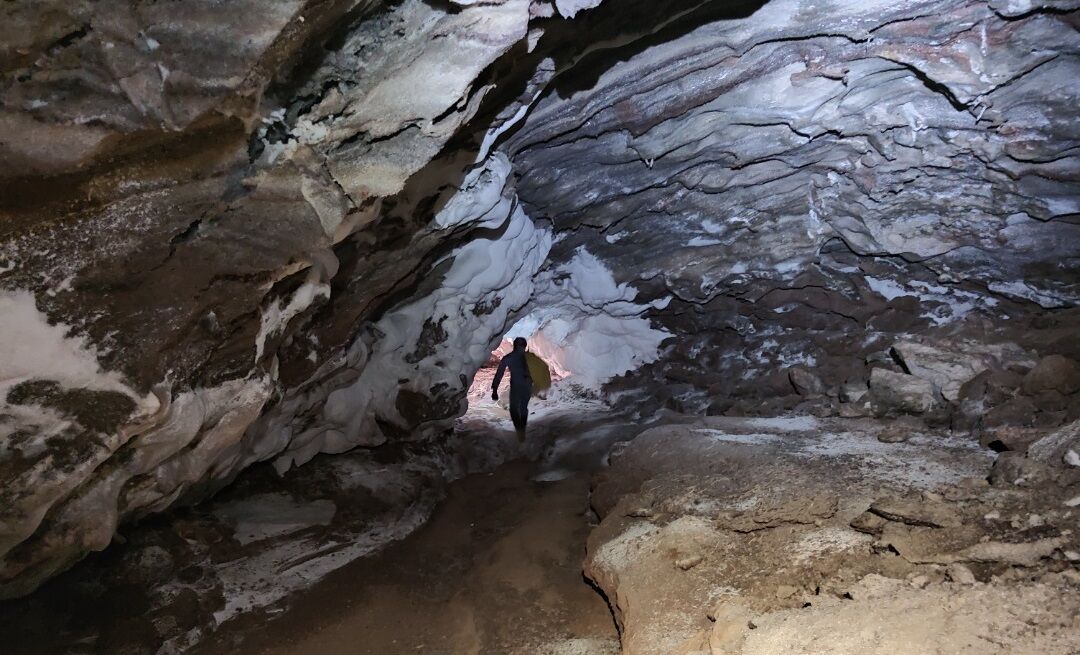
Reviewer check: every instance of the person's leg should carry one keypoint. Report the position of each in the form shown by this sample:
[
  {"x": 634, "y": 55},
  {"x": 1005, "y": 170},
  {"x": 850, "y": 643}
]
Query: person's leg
[
  {"x": 515, "y": 415},
  {"x": 519, "y": 407}
]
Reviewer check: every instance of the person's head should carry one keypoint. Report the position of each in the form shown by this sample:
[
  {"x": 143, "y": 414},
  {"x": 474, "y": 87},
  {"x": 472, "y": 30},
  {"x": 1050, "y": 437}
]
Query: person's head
[{"x": 520, "y": 343}]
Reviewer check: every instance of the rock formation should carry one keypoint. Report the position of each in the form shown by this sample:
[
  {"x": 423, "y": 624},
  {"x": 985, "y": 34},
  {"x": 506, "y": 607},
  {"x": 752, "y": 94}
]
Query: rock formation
[
  {"x": 240, "y": 231},
  {"x": 796, "y": 535}
]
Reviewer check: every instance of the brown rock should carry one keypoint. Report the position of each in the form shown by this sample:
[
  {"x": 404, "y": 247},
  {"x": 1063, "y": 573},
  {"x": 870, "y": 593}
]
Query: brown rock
[
  {"x": 917, "y": 511},
  {"x": 991, "y": 387},
  {"x": 1052, "y": 401},
  {"x": 729, "y": 628},
  {"x": 869, "y": 523},
  {"x": 1018, "y": 411},
  {"x": 1016, "y": 554},
  {"x": 1053, "y": 373},
  {"x": 771, "y": 514},
  {"x": 776, "y": 383},
  {"x": 1011, "y": 437},
  {"x": 805, "y": 382},
  {"x": 895, "y": 433},
  {"x": 854, "y": 410},
  {"x": 1012, "y": 468}
]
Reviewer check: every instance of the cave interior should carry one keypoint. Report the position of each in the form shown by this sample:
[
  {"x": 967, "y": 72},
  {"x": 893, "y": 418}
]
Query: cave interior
[{"x": 806, "y": 276}]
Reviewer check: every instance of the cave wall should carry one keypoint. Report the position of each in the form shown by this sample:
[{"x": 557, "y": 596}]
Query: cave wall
[
  {"x": 234, "y": 213},
  {"x": 233, "y": 234},
  {"x": 812, "y": 186}
]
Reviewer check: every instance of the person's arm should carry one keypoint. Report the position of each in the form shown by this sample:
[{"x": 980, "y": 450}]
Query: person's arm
[{"x": 498, "y": 378}]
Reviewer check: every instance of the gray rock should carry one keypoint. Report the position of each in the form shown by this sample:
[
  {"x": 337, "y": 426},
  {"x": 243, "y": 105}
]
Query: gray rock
[
  {"x": 1054, "y": 448},
  {"x": 902, "y": 393},
  {"x": 805, "y": 382},
  {"x": 949, "y": 364},
  {"x": 960, "y": 574}
]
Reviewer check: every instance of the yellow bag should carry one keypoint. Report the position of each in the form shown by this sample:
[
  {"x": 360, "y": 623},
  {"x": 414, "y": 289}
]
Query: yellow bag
[{"x": 539, "y": 372}]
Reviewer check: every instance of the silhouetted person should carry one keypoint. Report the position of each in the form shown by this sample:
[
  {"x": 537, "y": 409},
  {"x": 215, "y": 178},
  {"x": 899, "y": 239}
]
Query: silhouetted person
[{"x": 520, "y": 385}]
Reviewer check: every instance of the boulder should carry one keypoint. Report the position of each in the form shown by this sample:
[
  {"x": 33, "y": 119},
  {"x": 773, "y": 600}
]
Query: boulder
[
  {"x": 1052, "y": 401},
  {"x": 773, "y": 384},
  {"x": 1053, "y": 373},
  {"x": 989, "y": 388},
  {"x": 853, "y": 392},
  {"x": 899, "y": 392},
  {"x": 949, "y": 364},
  {"x": 1013, "y": 468},
  {"x": 1054, "y": 448},
  {"x": 985, "y": 391},
  {"x": 805, "y": 382},
  {"x": 1018, "y": 411}
]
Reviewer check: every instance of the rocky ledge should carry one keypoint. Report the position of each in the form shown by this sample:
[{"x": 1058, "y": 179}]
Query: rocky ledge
[{"x": 740, "y": 536}]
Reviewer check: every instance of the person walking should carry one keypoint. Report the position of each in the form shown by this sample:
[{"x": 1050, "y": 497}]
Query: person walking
[{"x": 520, "y": 385}]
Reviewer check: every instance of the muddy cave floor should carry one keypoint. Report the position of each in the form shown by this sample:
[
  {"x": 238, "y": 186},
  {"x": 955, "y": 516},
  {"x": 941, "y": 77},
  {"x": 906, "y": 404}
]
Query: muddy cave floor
[
  {"x": 491, "y": 562},
  {"x": 709, "y": 534},
  {"x": 497, "y": 569}
]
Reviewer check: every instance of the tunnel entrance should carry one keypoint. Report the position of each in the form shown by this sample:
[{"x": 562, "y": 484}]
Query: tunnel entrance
[
  {"x": 585, "y": 326},
  {"x": 562, "y": 392}
]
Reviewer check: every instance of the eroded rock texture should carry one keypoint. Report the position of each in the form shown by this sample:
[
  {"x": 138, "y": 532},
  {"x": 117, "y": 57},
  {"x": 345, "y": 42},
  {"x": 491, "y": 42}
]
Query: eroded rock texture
[
  {"x": 807, "y": 185},
  {"x": 791, "y": 534},
  {"x": 235, "y": 232}
]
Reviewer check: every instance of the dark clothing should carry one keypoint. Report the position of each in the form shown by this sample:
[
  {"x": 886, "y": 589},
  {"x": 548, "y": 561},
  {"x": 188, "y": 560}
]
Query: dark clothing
[
  {"x": 520, "y": 386},
  {"x": 519, "y": 404}
]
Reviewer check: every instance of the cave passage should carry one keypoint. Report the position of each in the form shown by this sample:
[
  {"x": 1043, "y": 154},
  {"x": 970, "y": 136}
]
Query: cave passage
[
  {"x": 496, "y": 569},
  {"x": 806, "y": 274}
]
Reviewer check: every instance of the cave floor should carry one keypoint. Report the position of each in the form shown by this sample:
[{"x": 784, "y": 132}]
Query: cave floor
[
  {"x": 496, "y": 570},
  {"x": 727, "y": 534},
  {"x": 365, "y": 552}
]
